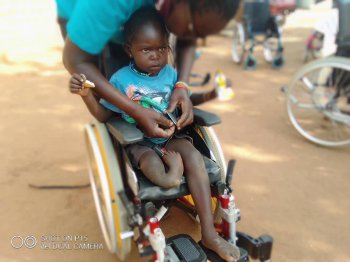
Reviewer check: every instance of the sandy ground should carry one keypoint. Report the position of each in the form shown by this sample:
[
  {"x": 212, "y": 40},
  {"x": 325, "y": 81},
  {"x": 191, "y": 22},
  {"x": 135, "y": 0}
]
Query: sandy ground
[{"x": 285, "y": 186}]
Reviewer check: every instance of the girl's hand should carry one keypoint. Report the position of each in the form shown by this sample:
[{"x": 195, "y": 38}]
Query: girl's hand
[{"x": 76, "y": 85}]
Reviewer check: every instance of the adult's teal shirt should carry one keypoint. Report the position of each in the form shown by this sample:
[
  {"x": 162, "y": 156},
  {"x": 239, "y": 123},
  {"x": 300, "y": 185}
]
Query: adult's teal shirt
[
  {"x": 93, "y": 23},
  {"x": 65, "y": 8}
]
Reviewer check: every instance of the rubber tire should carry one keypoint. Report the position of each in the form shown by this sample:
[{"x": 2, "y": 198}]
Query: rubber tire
[{"x": 337, "y": 62}]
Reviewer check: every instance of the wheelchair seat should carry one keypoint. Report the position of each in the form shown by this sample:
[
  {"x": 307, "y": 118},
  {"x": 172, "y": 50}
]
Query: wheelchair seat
[
  {"x": 150, "y": 191},
  {"x": 126, "y": 133}
]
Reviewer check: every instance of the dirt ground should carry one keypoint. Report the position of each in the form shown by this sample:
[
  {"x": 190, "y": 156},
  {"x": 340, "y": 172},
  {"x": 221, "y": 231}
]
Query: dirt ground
[{"x": 284, "y": 186}]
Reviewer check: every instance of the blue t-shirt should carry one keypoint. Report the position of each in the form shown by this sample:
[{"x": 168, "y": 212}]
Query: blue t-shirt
[
  {"x": 149, "y": 91},
  {"x": 93, "y": 23},
  {"x": 65, "y": 8}
]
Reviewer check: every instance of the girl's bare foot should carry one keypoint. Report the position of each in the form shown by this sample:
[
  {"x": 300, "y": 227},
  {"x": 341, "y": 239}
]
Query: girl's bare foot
[
  {"x": 176, "y": 169},
  {"x": 221, "y": 247}
]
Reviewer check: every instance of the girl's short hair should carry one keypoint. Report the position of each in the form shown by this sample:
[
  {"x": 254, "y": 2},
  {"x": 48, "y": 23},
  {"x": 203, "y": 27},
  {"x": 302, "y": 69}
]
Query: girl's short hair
[{"x": 147, "y": 15}]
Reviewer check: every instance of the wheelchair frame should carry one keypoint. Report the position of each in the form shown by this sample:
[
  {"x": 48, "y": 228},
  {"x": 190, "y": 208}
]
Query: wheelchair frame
[
  {"x": 258, "y": 21},
  {"x": 121, "y": 211}
]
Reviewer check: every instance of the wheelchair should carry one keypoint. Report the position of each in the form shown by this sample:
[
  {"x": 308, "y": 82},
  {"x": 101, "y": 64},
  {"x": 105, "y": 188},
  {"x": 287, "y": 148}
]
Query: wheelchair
[
  {"x": 258, "y": 22},
  {"x": 318, "y": 95},
  {"x": 129, "y": 206}
]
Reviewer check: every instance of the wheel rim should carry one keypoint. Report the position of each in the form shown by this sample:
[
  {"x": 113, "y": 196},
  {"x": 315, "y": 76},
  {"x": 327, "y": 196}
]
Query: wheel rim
[
  {"x": 106, "y": 181},
  {"x": 313, "y": 107},
  {"x": 217, "y": 153},
  {"x": 100, "y": 191}
]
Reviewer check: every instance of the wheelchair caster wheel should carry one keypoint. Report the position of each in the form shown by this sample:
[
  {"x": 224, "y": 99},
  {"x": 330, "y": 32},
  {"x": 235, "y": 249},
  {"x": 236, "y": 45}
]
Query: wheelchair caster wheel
[
  {"x": 277, "y": 63},
  {"x": 250, "y": 63}
]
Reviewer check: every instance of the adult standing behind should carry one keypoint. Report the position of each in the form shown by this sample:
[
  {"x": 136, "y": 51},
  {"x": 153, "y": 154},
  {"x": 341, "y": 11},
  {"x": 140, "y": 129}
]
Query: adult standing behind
[{"x": 94, "y": 46}]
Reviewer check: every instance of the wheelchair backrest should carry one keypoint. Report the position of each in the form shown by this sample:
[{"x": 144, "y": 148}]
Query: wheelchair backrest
[
  {"x": 343, "y": 37},
  {"x": 257, "y": 15}
]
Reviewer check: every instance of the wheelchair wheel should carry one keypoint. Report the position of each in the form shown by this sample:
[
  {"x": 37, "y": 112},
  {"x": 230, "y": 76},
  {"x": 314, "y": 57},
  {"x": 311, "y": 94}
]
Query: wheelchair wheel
[
  {"x": 316, "y": 103},
  {"x": 238, "y": 49},
  {"x": 217, "y": 154},
  {"x": 106, "y": 181}
]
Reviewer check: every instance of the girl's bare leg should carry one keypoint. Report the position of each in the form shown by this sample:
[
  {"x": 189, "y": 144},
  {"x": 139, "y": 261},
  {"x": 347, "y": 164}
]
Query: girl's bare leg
[
  {"x": 198, "y": 183},
  {"x": 153, "y": 168}
]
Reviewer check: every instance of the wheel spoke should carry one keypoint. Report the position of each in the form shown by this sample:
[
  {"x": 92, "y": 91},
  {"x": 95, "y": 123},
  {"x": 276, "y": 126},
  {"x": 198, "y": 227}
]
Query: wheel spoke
[{"x": 316, "y": 102}]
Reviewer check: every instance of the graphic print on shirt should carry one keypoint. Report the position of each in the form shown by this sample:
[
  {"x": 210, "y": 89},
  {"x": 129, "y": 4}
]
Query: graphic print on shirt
[{"x": 149, "y": 98}]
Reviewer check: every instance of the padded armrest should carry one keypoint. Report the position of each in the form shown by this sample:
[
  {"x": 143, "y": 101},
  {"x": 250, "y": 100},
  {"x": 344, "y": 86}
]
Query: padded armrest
[
  {"x": 124, "y": 132},
  {"x": 127, "y": 133},
  {"x": 204, "y": 118}
]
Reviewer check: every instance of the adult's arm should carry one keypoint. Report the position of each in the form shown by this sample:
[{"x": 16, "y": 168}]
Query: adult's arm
[
  {"x": 185, "y": 53},
  {"x": 76, "y": 60}
]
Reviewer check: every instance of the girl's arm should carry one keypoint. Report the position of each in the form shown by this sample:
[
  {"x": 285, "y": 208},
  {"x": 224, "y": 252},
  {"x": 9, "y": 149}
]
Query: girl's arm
[
  {"x": 151, "y": 122},
  {"x": 101, "y": 113}
]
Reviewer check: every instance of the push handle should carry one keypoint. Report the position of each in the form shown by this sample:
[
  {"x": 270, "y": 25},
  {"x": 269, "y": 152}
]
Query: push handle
[{"x": 229, "y": 174}]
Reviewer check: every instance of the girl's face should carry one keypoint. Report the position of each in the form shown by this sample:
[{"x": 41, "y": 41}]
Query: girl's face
[{"x": 149, "y": 49}]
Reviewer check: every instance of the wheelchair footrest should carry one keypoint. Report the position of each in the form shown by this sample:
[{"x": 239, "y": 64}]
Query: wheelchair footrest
[
  {"x": 258, "y": 248},
  {"x": 213, "y": 257},
  {"x": 183, "y": 248}
]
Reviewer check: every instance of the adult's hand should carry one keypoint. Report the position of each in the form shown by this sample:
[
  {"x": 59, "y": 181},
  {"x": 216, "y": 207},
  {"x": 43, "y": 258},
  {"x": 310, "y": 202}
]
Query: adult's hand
[
  {"x": 180, "y": 98},
  {"x": 153, "y": 124}
]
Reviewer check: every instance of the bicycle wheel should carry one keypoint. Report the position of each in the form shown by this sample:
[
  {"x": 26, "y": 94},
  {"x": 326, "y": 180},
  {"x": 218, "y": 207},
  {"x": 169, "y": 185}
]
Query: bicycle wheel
[
  {"x": 238, "y": 50},
  {"x": 316, "y": 104}
]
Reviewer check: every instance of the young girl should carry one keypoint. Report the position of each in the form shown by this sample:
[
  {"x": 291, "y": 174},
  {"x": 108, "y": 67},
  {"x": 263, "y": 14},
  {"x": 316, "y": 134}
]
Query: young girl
[{"x": 149, "y": 80}]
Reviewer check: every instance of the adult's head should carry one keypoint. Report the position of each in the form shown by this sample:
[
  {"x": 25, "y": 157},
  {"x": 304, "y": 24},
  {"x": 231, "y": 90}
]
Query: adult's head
[
  {"x": 197, "y": 18},
  {"x": 146, "y": 37}
]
